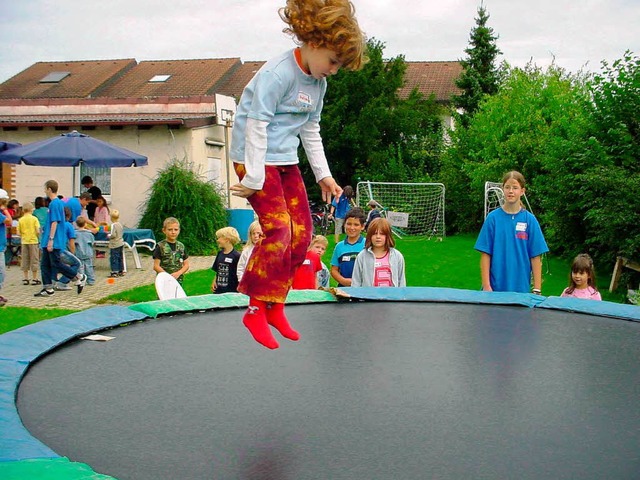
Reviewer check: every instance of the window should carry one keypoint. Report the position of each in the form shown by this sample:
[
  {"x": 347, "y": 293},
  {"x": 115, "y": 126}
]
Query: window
[
  {"x": 160, "y": 78},
  {"x": 101, "y": 178},
  {"x": 213, "y": 170},
  {"x": 55, "y": 77}
]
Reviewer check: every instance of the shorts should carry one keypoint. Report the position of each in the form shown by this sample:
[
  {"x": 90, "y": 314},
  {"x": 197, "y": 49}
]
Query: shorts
[
  {"x": 30, "y": 257},
  {"x": 339, "y": 222}
]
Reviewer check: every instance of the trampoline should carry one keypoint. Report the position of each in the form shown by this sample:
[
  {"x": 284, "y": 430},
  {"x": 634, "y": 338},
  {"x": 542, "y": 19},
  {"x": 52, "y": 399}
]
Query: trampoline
[{"x": 395, "y": 384}]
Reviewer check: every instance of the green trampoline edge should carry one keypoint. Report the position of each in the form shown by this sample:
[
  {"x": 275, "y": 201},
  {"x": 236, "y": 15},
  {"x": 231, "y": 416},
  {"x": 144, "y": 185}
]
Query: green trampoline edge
[
  {"x": 226, "y": 300},
  {"x": 60, "y": 468}
]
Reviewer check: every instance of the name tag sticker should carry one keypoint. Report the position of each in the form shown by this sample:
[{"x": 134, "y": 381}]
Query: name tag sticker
[
  {"x": 304, "y": 98},
  {"x": 228, "y": 260},
  {"x": 346, "y": 258},
  {"x": 521, "y": 227}
]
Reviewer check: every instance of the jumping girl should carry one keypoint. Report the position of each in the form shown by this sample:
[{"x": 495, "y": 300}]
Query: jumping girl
[{"x": 281, "y": 103}]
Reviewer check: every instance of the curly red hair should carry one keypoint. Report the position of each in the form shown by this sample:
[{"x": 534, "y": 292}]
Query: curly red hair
[{"x": 327, "y": 24}]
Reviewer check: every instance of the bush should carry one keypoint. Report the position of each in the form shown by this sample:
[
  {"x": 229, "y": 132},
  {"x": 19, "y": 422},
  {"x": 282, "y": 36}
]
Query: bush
[
  {"x": 178, "y": 191},
  {"x": 610, "y": 196},
  {"x": 576, "y": 138},
  {"x": 538, "y": 123}
]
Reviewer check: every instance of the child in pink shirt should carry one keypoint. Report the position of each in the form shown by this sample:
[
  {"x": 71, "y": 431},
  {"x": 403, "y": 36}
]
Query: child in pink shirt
[{"x": 582, "y": 279}]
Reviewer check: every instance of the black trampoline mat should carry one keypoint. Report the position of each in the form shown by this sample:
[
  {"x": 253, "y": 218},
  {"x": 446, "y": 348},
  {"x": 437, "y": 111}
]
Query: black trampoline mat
[{"x": 372, "y": 391}]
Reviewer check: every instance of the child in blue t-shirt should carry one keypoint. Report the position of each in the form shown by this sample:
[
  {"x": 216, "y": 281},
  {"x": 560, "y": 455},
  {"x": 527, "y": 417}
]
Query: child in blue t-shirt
[
  {"x": 511, "y": 243},
  {"x": 346, "y": 251},
  {"x": 84, "y": 249},
  {"x": 339, "y": 209},
  {"x": 68, "y": 254},
  {"x": 54, "y": 241}
]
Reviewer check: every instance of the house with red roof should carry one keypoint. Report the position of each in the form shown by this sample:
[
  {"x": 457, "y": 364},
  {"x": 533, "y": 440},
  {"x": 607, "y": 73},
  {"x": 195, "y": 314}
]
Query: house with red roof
[{"x": 161, "y": 109}]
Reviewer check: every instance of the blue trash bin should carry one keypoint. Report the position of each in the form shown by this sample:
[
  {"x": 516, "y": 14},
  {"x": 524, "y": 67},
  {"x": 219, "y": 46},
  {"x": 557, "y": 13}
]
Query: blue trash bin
[{"x": 240, "y": 219}]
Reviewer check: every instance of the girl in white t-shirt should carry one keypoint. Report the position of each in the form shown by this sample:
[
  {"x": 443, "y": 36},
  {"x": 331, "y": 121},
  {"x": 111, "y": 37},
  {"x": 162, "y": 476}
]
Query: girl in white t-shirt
[
  {"x": 254, "y": 237},
  {"x": 582, "y": 279},
  {"x": 379, "y": 264}
]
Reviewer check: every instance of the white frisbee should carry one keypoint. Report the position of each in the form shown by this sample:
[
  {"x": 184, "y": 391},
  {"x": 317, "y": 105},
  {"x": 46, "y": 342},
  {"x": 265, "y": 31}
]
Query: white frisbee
[{"x": 168, "y": 287}]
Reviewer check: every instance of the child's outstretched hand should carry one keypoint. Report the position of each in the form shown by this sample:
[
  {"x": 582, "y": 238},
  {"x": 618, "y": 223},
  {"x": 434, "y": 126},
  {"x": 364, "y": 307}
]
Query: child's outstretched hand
[
  {"x": 329, "y": 187},
  {"x": 240, "y": 190}
]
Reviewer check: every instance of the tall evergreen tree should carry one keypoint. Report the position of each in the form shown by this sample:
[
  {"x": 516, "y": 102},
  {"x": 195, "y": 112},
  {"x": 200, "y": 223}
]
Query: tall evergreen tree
[{"x": 480, "y": 75}]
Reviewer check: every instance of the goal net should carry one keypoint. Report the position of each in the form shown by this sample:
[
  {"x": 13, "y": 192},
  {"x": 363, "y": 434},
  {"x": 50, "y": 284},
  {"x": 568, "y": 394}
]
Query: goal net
[
  {"x": 411, "y": 208},
  {"x": 494, "y": 197}
]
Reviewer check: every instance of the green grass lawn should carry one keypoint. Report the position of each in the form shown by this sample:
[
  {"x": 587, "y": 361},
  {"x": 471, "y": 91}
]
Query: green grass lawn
[
  {"x": 16, "y": 317},
  {"x": 451, "y": 263}
]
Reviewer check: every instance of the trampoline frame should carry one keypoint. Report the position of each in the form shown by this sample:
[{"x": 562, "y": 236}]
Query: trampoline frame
[{"x": 22, "y": 347}]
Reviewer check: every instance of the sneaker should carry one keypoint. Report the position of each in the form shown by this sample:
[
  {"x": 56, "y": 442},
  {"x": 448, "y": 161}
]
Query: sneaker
[
  {"x": 61, "y": 287},
  {"x": 81, "y": 282},
  {"x": 3, "y": 301},
  {"x": 44, "y": 293}
]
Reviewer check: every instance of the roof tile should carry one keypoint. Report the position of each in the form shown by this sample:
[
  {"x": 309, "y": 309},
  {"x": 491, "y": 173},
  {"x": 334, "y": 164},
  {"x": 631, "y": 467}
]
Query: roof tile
[
  {"x": 187, "y": 78},
  {"x": 85, "y": 78},
  {"x": 126, "y": 79},
  {"x": 239, "y": 78},
  {"x": 432, "y": 77}
]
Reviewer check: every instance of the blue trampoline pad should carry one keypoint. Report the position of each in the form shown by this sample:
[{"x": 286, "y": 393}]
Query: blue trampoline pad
[{"x": 373, "y": 390}]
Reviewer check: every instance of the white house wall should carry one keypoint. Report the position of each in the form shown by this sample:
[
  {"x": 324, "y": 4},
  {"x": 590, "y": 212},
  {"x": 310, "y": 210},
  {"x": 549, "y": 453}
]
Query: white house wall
[{"x": 130, "y": 186}]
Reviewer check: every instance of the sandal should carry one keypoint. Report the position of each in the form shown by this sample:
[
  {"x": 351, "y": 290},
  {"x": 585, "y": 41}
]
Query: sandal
[
  {"x": 25, "y": 282},
  {"x": 35, "y": 282}
]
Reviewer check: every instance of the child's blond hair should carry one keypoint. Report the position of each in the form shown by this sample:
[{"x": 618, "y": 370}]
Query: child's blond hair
[
  {"x": 169, "y": 221},
  {"x": 327, "y": 24},
  {"x": 81, "y": 222},
  {"x": 252, "y": 228},
  {"x": 230, "y": 234},
  {"x": 27, "y": 207},
  {"x": 319, "y": 239},
  {"x": 115, "y": 214}
]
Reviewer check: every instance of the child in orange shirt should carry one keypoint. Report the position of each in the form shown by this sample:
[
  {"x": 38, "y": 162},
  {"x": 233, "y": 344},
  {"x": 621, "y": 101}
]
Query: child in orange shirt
[{"x": 306, "y": 277}]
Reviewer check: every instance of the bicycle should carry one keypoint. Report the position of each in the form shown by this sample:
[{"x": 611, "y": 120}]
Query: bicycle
[{"x": 322, "y": 221}]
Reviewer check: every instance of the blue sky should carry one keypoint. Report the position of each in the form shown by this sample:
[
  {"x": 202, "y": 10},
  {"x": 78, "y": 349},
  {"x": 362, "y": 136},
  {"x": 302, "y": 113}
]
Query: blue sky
[{"x": 575, "y": 33}]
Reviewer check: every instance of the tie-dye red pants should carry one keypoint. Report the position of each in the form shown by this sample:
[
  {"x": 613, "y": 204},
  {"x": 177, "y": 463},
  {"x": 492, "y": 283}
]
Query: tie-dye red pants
[{"x": 283, "y": 211}]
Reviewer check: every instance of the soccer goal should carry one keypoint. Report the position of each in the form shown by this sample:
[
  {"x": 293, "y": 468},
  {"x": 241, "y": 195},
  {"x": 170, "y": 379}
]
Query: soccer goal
[
  {"x": 412, "y": 208},
  {"x": 494, "y": 197}
]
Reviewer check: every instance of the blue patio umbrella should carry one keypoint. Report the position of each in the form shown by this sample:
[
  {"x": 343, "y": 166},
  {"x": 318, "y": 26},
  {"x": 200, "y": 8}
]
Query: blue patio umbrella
[
  {"x": 7, "y": 145},
  {"x": 72, "y": 149}
]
